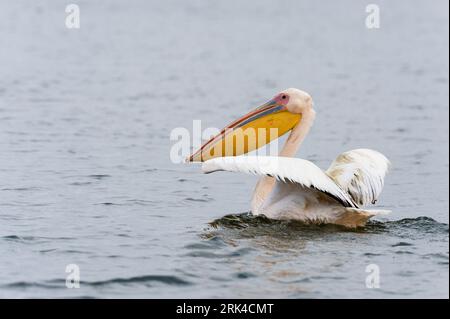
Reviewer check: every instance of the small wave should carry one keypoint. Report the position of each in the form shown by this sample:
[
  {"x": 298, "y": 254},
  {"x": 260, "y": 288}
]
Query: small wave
[
  {"x": 244, "y": 275},
  {"x": 372, "y": 254},
  {"x": 402, "y": 243},
  {"x": 99, "y": 176},
  {"x": 211, "y": 243},
  {"x": 141, "y": 202},
  {"x": 60, "y": 283},
  {"x": 211, "y": 255},
  {"x": 441, "y": 256},
  {"x": 109, "y": 204},
  {"x": 80, "y": 183},
  {"x": 131, "y": 202},
  {"x": 20, "y": 189},
  {"x": 30, "y": 239},
  {"x": 169, "y": 280},
  {"x": 191, "y": 199},
  {"x": 404, "y": 252},
  {"x": 18, "y": 238},
  {"x": 419, "y": 225},
  {"x": 248, "y": 220},
  {"x": 57, "y": 283}
]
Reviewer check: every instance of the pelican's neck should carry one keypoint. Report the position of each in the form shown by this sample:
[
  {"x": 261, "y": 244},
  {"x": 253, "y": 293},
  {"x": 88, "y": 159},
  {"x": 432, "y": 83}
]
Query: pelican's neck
[
  {"x": 290, "y": 148},
  {"x": 298, "y": 134}
]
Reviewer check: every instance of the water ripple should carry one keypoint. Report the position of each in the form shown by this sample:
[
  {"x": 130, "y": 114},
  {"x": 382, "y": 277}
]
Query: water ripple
[{"x": 145, "y": 279}]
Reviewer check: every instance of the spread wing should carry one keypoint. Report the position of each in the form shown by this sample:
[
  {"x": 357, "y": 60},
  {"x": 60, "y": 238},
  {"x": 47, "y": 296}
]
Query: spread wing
[
  {"x": 360, "y": 173},
  {"x": 284, "y": 169}
]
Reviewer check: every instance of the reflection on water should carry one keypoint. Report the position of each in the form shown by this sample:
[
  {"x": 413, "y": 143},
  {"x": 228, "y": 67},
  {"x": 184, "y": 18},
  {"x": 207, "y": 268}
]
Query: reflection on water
[{"x": 295, "y": 257}]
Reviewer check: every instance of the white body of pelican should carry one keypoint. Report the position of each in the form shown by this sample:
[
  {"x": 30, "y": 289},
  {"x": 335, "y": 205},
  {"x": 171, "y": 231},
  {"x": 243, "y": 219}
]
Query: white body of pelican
[{"x": 292, "y": 188}]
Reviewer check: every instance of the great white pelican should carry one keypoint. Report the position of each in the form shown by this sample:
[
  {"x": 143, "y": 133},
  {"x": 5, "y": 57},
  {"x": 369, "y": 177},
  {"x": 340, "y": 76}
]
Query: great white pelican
[{"x": 293, "y": 188}]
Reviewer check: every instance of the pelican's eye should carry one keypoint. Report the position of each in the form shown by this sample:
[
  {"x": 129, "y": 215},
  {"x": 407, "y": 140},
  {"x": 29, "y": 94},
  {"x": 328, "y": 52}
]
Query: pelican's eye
[{"x": 284, "y": 96}]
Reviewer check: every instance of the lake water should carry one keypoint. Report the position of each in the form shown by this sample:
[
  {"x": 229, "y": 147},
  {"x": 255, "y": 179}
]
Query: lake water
[{"x": 85, "y": 173}]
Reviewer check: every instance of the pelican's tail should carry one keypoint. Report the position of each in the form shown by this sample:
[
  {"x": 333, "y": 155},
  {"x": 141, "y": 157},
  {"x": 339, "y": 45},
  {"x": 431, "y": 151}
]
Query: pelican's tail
[{"x": 355, "y": 217}]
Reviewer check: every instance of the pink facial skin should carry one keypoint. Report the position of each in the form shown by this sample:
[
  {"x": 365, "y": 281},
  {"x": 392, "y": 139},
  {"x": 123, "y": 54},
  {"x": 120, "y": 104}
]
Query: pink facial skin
[{"x": 282, "y": 99}]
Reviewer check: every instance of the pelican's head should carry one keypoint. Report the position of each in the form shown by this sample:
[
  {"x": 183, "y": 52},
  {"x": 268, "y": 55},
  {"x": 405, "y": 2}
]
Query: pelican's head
[
  {"x": 296, "y": 101},
  {"x": 258, "y": 127}
]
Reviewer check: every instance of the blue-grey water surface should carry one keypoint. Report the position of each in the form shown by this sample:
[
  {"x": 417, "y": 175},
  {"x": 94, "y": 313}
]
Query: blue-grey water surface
[{"x": 85, "y": 173}]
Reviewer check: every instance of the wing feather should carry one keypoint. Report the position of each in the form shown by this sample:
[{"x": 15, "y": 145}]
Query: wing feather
[
  {"x": 284, "y": 169},
  {"x": 361, "y": 173}
]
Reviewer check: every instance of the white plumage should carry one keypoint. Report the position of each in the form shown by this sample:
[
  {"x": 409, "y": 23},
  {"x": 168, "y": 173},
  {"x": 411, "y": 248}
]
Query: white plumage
[
  {"x": 294, "y": 188},
  {"x": 354, "y": 178},
  {"x": 360, "y": 173},
  {"x": 284, "y": 169}
]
